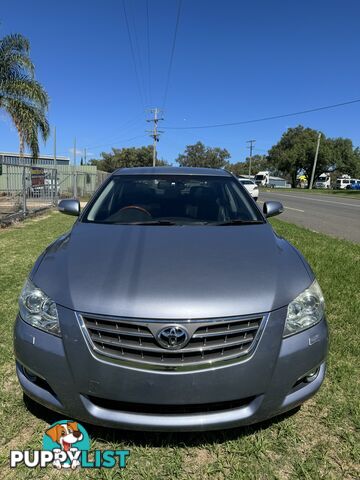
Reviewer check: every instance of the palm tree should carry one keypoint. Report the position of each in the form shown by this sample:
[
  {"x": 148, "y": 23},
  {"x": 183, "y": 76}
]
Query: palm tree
[{"x": 21, "y": 96}]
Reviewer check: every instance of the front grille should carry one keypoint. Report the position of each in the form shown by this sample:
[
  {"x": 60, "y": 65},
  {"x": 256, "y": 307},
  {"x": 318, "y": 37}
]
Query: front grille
[{"x": 134, "y": 340}]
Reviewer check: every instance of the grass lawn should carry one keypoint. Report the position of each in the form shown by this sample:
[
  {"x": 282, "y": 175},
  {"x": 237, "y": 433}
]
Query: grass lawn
[
  {"x": 318, "y": 191},
  {"x": 320, "y": 441}
]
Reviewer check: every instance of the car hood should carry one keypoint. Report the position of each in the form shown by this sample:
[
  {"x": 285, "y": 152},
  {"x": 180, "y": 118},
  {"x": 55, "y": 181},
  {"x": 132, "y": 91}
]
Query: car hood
[{"x": 171, "y": 272}]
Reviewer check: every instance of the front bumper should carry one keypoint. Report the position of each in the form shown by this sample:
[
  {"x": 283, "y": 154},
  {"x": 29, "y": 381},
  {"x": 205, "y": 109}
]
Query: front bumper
[{"x": 65, "y": 375}]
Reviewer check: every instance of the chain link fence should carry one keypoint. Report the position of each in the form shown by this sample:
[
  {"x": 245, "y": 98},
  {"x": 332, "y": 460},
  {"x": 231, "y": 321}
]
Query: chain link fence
[{"x": 27, "y": 189}]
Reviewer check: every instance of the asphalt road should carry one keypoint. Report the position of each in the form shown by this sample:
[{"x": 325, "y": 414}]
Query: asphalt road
[{"x": 339, "y": 217}]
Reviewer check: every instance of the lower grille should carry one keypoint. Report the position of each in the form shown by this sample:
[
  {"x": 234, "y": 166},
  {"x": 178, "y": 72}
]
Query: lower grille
[
  {"x": 135, "y": 340},
  {"x": 169, "y": 409}
]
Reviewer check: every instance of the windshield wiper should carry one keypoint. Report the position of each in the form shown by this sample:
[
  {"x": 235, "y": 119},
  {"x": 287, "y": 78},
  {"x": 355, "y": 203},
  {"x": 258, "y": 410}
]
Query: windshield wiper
[
  {"x": 239, "y": 222},
  {"x": 151, "y": 222}
]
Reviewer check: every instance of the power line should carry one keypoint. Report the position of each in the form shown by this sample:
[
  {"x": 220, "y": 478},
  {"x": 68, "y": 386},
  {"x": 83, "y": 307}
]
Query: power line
[
  {"x": 117, "y": 141},
  {"x": 172, "y": 53},
  {"x": 123, "y": 127},
  {"x": 263, "y": 119},
  {"x": 139, "y": 58},
  {"x": 133, "y": 56},
  {"x": 148, "y": 48}
]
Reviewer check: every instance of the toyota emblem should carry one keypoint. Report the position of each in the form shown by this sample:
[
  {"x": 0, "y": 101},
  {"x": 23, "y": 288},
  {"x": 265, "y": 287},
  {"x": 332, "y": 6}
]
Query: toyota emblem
[{"x": 172, "y": 337}]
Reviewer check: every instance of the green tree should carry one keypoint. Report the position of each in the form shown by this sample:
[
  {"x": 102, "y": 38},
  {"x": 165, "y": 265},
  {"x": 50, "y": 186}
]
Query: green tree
[
  {"x": 125, "y": 158},
  {"x": 357, "y": 162},
  {"x": 346, "y": 158},
  {"x": 21, "y": 96},
  {"x": 198, "y": 155},
  {"x": 295, "y": 153},
  {"x": 258, "y": 163}
]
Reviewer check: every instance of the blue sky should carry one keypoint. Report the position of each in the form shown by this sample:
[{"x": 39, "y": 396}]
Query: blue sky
[{"x": 234, "y": 61}]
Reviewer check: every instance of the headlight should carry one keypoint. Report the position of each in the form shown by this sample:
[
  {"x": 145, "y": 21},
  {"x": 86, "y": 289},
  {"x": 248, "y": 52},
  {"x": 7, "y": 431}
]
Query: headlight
[
  {"x": 305, "y": 311},
  {"x": 37, "y": 309}
]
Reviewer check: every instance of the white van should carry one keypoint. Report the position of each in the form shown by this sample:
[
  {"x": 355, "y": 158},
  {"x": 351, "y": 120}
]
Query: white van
[{"x": 342, "y": 183}]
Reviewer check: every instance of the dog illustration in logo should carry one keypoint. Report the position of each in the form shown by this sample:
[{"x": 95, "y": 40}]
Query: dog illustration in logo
[{"x": 65, "y": 434}]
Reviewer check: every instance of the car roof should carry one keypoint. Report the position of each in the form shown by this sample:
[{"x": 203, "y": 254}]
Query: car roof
[{"x": 217, "y": 172}]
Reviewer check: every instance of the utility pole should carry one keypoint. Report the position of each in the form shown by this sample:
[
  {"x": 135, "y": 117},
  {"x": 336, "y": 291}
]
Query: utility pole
[
  {"x": 54, "y": 171},
  {"x": 55, "y": 147},
  {"x": 155, "y": 133},
  {"x": 250, "y": 146},
  {"x": 74, "y": 152},
  {"x": 74, "y": 178},
  {"x": 85, "y": 156},
  {"x": 315, "y": 162}
]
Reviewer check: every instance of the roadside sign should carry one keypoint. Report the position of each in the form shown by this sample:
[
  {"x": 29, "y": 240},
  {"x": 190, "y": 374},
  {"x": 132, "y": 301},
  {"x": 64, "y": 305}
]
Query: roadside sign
[{"x": 37, "y": 177}]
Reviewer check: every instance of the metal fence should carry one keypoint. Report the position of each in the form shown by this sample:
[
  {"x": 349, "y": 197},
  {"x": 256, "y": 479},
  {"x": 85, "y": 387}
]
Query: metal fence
[{"x": 24, "y": 188}]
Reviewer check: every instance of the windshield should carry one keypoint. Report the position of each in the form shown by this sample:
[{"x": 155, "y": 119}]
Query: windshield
[
  {"x": 259, "y": 177},
  {"x": 171, "y": 200}
]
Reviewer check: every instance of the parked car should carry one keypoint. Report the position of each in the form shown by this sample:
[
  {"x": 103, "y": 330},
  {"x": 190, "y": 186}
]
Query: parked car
[
  {"x": 171, "y": 305},
  {"x": 354, "y": 184},
  {"x": 251, "y": 187},
  {"x": 342, "y": 182}
]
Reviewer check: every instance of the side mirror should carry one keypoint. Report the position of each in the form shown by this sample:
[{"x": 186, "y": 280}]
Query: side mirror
[
  {"x": 270, "y": 209},
  {"x": 70, "y": 206}
]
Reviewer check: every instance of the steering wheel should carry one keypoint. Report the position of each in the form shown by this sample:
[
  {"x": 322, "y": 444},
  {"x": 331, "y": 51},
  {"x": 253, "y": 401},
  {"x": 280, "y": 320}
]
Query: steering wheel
[
  {"x": 135, "y": 207},
  {"x": 132, "y": 214}
]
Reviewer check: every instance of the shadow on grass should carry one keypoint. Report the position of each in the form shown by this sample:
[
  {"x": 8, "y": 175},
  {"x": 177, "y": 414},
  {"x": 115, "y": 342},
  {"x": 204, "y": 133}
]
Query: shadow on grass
[{"x": 158, "y": 439}]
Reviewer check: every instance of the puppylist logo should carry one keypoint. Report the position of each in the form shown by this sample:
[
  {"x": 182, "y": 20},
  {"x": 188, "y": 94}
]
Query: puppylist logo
[{"x": 66, "y": 444}]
